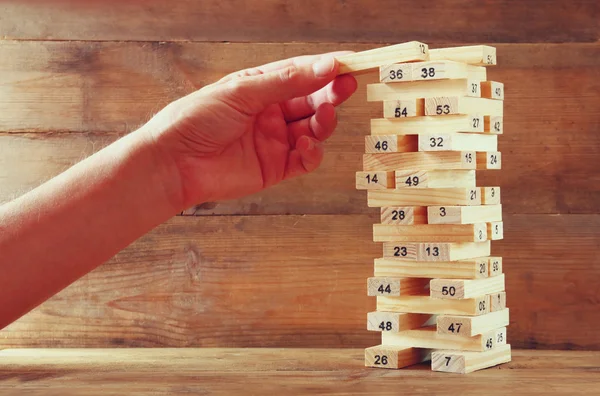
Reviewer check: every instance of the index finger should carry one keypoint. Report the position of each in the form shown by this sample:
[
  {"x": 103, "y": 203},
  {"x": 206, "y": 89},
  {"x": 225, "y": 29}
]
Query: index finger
[{"x": 280, "y": 64}]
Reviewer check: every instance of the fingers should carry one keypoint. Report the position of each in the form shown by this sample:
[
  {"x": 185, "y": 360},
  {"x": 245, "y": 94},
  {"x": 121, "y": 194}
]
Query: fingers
[
  {"x": 319, "y": 126},
  {"x": 251, "y": 95},
  {"x": 306, "y": 157},
  {"x": 281, "y": 64},
  {"x": 336, "y": 92}
]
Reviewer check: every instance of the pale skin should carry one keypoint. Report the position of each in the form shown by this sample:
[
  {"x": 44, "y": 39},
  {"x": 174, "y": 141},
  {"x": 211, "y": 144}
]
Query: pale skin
[{"x": 243, "y": 134}]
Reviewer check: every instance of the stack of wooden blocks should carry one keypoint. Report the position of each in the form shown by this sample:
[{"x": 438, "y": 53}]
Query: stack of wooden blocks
[{"x": 440, "y": 293}]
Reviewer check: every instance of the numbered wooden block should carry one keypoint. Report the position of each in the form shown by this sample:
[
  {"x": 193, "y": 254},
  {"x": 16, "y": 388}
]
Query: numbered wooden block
[
  {"x": 428, "y": 337},
  {"x": 420, "y": 90},
  {"x": 468, "y": 326},
  {"x": 493, "y": 125},
  {"x": 383, "y": 286},
  {"x": 457, "y": 142},
  {"x": 452, "y": 251},
  {"x": 480, "y": 55},
  {"x": 397, "y": 72},
  {"x": 375, "y": 180},
  {"x": 395, "y": 322},
  {"x": 495, "y": 230},
  {"x": 435, "y": 178},
  {"x": 404, "y": 108},
  {"x": 445, "y": 69},
  {"x": 429, "y": 305},
  {"x": 492, "y": 90},
  {"x": 498, "y": 301},
  {"x": 391, "y": 143},
  {"x": 492, "y": 338},
  {"x": 424, "y": 197},
  {"x": 461, "y": 288},
  {"x": 500, "y": 337},
  {"x": 448, "y": 105},
  {"x": 404, "y": 251},
  {"x": 464, "y": 214},
  {"x": 404, "y": 215},
  {"x": 390, "y": 357},
  {"x": 489, "y": 160},
  {"x": 420, "y": 160},
  {"x": 430, "y": 233},
  {"x": 490, "y": 195},
  {"x": 390, "y": 286},
  {"x": 464, "y": 362},
  {"x": 474, "y": 123},
  {"x": 475, "y": 268},
  {"x": 495, "y": 266},
  {"x": 373, "y": 59}
]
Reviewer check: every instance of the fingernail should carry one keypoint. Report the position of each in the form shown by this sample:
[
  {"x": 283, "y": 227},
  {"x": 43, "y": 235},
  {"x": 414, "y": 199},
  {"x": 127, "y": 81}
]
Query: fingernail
[
  {"x": 305, "y": 144},
  {"x": 324, "y": 66}
]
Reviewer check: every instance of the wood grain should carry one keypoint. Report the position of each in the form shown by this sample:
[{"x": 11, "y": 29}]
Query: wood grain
[
  {"x": 293, "y": 371},
  {"x": 300, "y": 281},
  {"x": 549, "y": 147},
  {"x": 279, "y": 20}
]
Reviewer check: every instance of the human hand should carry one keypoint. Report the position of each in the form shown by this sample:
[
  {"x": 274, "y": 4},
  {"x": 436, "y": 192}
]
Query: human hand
[{"x": 252, "y": 129}]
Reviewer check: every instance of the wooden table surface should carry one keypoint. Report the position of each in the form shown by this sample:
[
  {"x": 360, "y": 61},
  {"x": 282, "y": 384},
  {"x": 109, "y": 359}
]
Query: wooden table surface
[{"x": 292, "y": 371}]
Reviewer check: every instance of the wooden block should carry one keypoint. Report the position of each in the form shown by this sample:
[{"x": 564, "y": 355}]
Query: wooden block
[
  {"x": 494, "y": 266},
  {"x": 492, "y": 90},
  {"x": 480, "y": 55},
  {"x": 390, "y": 286},
  {"x": 420, "y": 89},
  {"x": 383, "y": 285},
  {"x": 468, "y": 326},
  {"x": 493, "y": 124},
  {"x": 490, "y": 196},
  {"x": 404, "y": 215},
  {"x": 500, "y": 336},
  {"x": 447, "y": 105},
  {"x": 395, "y": 321},
  {"x": 461, "y": 288},
  {"x": 445, "y": 69},
  {"x": 428, "y": 124},
  {"x": 489, "y": 160},
  {"x": 420, "y": 160},
  {"x": 429, "y": 305},
  {"x": 457, "y": 142},
  {"x": 391, "y": 143},
  {"x": 462, "y": 269},
  {"x": 463, "y": 214},
  {"x": 430, "y": 233},
  {"x": 396, "y": 72},
  {"x": 498, "y": 301},
  {"x": 495, "y": 230},
  {"x": 435, "y": 178},
  {"x": 375, "y": 180},
  {"x": 424, "y": 197},
  {"x": 428, "y": 337},
  {"x": 373, "y": 59},
  {"x": 404, "y": 251},
  {"x": 452, "y": 251},
  {"x": 390, "y": 357},
  {"x": 464, "y": 362},
  {"x": 404, "y": 108}
]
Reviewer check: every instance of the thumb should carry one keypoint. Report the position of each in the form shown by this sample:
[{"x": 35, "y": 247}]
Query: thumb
[{"x": 253, "y": 94}]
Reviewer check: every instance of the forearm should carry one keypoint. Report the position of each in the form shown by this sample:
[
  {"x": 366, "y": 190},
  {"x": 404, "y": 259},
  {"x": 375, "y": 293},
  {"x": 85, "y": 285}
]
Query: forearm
[{"x": 68, "y": 226}]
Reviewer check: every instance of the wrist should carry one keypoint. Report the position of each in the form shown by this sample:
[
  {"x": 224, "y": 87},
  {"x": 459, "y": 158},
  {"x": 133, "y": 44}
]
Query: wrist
[{"x": 160, "y": 169}]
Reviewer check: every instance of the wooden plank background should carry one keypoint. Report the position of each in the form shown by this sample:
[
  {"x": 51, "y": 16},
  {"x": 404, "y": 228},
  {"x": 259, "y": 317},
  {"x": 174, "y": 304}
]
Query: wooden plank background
[{"x": 288, "y": 267}]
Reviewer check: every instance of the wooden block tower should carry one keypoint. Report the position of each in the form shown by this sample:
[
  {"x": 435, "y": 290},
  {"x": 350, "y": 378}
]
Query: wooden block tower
[{"x": 440, "y": 294}]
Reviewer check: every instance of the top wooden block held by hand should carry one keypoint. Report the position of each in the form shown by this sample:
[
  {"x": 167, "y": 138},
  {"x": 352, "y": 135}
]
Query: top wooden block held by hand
[
  {"x": 444, "y": 63},
  {"x": 412, "y": 51}
]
